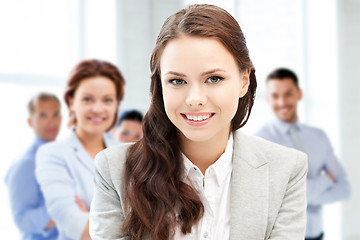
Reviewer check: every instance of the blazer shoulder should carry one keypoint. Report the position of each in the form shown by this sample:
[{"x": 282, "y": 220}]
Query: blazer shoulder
[
  {"x": 283, "y": 158},
  {"x": 275, "y": 154},
  {"x": 53, "y": 148},
  {"x": 272, "y": 147},
  {"x": 111, "y": 160}
]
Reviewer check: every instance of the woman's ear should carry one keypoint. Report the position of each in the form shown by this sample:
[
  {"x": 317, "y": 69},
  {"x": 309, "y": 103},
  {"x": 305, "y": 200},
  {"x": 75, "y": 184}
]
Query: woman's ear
[
  {"x": 245, "y": 82},
  {"x": 71, "y": 103}
]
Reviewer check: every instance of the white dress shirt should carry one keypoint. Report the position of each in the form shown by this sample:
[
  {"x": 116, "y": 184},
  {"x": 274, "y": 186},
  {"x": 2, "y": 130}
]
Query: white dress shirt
[{"x": 214, "y": 191}]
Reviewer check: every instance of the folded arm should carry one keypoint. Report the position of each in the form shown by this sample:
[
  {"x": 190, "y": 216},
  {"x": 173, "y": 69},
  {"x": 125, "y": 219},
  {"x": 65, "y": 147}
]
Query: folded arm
[
  {"x": 26, "y": 202},
  {"x": 106, "y": 213},
  {"x": 332, "y": 185},
  {"x": 58, "y": 186}
]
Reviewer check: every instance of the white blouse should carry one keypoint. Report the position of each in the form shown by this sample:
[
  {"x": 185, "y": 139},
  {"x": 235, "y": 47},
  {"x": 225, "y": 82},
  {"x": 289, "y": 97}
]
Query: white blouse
[{"x": 214, "y": 191}]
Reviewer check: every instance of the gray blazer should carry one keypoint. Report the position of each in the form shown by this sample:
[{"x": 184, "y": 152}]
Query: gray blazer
[{"x": 268, "y": 192}]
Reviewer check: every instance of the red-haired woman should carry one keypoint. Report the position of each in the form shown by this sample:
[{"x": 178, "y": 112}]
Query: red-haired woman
[
  {"x": 65, "y": 169},
  {"x": 195, "y": 175}
]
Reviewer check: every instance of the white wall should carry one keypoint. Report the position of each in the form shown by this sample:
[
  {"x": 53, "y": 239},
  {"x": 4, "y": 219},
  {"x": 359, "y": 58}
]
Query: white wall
[
  {"x": 138, "y": 24},
  {"x": 349, "y": 105},
  {"x": 299, "y": 34}
]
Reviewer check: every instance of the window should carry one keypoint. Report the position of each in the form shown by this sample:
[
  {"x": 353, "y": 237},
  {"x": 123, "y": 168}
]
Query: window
[{"x": 41, "y": 41}]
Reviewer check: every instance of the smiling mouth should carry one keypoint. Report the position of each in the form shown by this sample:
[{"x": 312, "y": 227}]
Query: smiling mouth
[
  {"x": 96, "y": 119},
  {"x": 198, "y": 118},
  {"x": 284, "y": 109}
]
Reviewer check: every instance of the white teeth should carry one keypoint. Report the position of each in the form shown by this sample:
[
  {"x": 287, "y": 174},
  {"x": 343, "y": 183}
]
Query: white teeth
[
  {"x": 96, "y": 119},
  {"x": 198, "y": 118}
]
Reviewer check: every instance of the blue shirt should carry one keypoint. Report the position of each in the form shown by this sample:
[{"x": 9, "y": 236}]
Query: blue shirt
[
  {"x": 64, "y": 169},
  {"x": 320, "y": 188},
  {"x": 26, "y": 200}
]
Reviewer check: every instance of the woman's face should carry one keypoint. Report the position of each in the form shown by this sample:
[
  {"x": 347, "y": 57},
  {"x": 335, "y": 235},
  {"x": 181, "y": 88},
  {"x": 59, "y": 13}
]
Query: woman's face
[
  {"x": 94, "y": 105},
  {"x": 201, "y": 85}
]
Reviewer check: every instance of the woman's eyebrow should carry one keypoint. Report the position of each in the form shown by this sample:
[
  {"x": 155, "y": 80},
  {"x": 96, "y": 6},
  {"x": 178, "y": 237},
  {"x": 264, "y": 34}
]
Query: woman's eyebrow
[
  {"x": 212, "y": 71},
  {"x": 203, "y": 74},
  {"x": 175, "y": 73}
]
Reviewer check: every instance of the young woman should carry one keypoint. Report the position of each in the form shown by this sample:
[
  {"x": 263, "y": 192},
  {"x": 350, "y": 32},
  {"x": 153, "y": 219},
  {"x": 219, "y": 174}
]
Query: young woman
[
  {"x": 194, "y": 175},
  {"x": 65, "y": 169}
]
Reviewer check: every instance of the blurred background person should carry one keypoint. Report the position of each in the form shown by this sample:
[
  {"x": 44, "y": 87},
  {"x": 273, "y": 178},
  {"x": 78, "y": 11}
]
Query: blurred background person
[
  {"x": 129, "y": 126},
  {"x": 26, "y": 200},
  {"x": 322, "y": 51},
  {"x": 326, "y": 181},
  {"x": 65, "y": 169}
]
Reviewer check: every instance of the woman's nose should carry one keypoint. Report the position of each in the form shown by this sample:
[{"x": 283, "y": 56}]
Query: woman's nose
[
  {"x": 196, "y": 96},
  {"x": 97, "y": 107}
]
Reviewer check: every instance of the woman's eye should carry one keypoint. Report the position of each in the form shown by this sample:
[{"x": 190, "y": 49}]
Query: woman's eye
[
  {"x": 87, "y": 99},
  {"x": 109, "y": 100},
  {"x": 177, "y": 81},
  {"x": 214, "y": 79}
]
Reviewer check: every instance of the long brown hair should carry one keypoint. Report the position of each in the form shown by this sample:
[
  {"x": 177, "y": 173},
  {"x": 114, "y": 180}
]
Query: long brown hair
[
  {"x": 155, "y": 192},
  {"x": 92, "y": 68}
]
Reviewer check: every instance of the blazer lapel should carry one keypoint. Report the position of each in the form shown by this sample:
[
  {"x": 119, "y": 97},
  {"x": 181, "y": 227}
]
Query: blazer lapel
[
  {"x": 80, "y": 153},
  {"x": 249, "y": 191}
]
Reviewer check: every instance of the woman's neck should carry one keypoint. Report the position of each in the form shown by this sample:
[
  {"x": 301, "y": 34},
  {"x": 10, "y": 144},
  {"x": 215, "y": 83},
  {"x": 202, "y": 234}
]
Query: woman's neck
[
  {"x": 92, "y": 142},
  {"x": 204, "y": 154}
]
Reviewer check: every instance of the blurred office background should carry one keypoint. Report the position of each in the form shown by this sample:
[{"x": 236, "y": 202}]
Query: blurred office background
[{"x": 320, "y": 39}]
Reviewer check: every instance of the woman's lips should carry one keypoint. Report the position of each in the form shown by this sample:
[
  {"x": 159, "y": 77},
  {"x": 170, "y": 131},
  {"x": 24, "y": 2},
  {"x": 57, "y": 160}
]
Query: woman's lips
[{"x": 197, "y": 119}]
